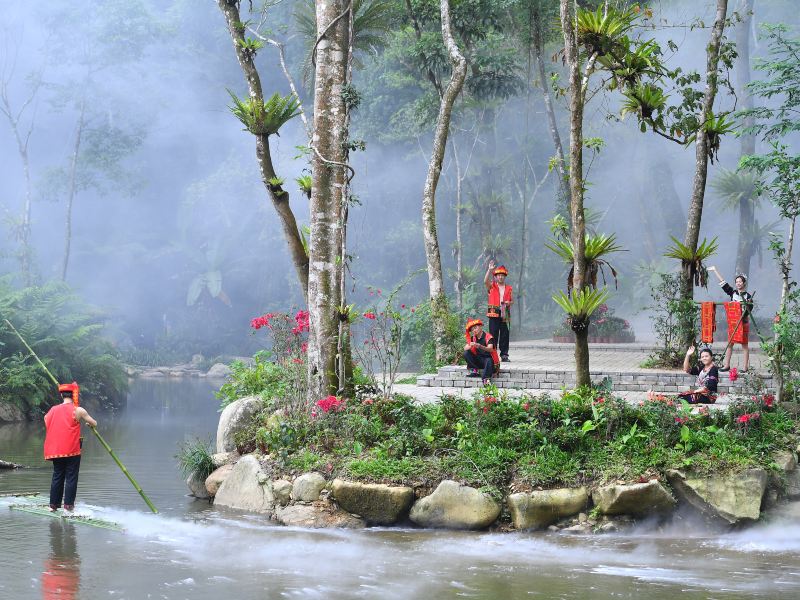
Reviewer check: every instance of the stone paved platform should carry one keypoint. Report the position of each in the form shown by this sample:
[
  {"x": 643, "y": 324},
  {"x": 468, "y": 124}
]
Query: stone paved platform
[{"x": 539, "y": 366}]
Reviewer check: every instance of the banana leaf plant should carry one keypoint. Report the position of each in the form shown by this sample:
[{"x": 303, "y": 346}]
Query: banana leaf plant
[
  {"x": 692, "y": 262},
  {"x": 597, "y": 247},
  {"x": 580, "y": 305}
]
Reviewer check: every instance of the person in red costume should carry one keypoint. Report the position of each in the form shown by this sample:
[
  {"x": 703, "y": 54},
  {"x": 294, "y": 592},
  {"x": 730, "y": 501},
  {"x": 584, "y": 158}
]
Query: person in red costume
[
  {"x": 62, "y": 445},
  {"x": 499, "y": 310}
]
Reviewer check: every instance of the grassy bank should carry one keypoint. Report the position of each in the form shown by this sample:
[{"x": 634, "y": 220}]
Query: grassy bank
[{"x": 498, "y": 443}]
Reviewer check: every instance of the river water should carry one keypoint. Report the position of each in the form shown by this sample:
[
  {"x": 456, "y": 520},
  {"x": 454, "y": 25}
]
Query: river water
[{"x": 193, "y": 550}]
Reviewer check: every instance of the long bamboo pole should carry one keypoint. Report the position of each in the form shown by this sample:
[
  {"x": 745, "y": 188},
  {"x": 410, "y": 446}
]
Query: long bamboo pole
[{"x": 94, "y": 429}]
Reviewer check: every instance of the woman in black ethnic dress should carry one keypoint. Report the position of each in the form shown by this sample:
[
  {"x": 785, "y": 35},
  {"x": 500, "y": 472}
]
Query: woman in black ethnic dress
[{"x": 705, "y": 387}]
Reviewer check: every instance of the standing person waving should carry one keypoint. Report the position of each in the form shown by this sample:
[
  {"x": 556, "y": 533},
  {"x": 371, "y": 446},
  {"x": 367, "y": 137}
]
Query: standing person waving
[
  {"x": 499, "y": 309},
  {"x": 745, "y": 298}
]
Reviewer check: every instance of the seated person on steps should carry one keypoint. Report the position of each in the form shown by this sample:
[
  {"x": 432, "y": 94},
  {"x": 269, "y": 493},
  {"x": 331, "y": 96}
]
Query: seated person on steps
[
  {"x": 705, "y": 387},
  {"x": 479, "y": 352}
]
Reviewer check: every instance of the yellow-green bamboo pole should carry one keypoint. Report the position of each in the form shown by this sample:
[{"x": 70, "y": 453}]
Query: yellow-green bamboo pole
[{"x": 94, "y": 429}]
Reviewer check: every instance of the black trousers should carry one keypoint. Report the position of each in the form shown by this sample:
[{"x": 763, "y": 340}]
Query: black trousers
[
  {"x": 499, "y": 330},
  {"x": 65, "y": 480},
  {"x": 482, "y": 361}
]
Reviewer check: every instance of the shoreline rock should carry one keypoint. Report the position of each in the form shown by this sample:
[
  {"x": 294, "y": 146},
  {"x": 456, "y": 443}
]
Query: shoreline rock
[
  {"x": 732, "y": 499},
  {"x": 455, "y": 506},
  {"x": 539, "y": 509}
]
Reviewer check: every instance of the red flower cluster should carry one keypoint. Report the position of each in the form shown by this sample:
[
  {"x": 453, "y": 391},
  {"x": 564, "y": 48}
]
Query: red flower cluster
[
  {"x": 681, "y": 420},
  {"x": 262, "y": 321},
  {"x": 747, "y": 417},
  {"x": 301, "y": 320},
  {"x": 369, "y": 315},
  {"x": 733, "y": 374},
  {"x": 368, "y": 401},
  {"x": 600, "y": 400},
  {"x": 769, "y": 400},
  {"x": 304, "y": 347},
  {"x": 526, "y": 406},
  {"x": 330, "y": 403},
  {"x": 487, "y": 403}
]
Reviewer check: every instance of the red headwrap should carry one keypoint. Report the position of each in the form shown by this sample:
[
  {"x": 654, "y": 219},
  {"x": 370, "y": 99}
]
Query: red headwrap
[
  {"x": 71, "y": 387},
  {"x": 501, "y": 270}
]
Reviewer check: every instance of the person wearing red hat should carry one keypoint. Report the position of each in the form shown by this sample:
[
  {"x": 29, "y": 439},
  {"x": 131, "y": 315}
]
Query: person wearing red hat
[
  {"x": 479, "y": 351},
  {"x": 62, "y": 445},
  {"x": 499, "y": 309}
]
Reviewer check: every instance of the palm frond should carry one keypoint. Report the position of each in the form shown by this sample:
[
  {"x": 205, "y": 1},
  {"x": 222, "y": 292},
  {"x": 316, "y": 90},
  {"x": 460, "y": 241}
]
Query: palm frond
[
  {"x": 265, "y": 118},
  {"x": 734, "y": 186},
  {"x": 583, "y": 303}
]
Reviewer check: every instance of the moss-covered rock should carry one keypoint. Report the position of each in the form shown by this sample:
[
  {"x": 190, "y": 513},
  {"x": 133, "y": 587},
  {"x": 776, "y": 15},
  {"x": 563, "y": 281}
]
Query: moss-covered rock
[
  {"x": 538, "y": 509},
  {"x": 638, "y": 499},
  {"x": 732, "y": 499},
  {"x": 376, "y": 503},
  {"x": 455, "y": 506}
]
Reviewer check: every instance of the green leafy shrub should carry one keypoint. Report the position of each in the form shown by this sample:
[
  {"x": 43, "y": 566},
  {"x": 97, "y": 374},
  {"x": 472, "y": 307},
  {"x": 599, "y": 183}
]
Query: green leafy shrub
[
  {"x": 261, "y": 378},
  {"x": 67, "y": 336}
]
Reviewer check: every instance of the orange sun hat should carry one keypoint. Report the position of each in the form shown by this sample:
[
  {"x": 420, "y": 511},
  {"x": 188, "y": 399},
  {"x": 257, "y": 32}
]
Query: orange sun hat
[
  {"x": 74, "y": 388},
  {"x": 471, "y": 323},
  {"x": 501, "y": 270}
]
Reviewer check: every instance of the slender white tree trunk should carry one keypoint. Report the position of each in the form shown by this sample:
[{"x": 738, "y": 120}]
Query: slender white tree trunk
[
  {"x": 329, "y": 172},
  {"x": 695, "y": 213},
  {"x": 432, "y": 253},
  {"x": 576, "y": 106},
  {"x": 73, "y": 188}
]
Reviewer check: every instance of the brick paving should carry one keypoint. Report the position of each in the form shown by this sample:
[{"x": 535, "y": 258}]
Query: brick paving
[{"x": 620, "y": 361}]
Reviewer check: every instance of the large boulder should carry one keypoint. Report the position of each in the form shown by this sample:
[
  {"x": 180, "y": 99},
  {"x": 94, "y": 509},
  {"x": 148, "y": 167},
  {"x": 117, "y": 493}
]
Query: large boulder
[
  {"x": 377, "y": 503},
  {"x": 455, "y": 506},
  {"x": 307, "y": 487},
  {"x": 218, "y": 371},
  {"x": 224, "y": 458},
  {"x": 638, "y": 499},
  {"x": 283, "y": 491},
  {"x": 236, "y": 417},
  {"x": 247, "y": 488},
  {"x": 317, "y": 517},
  {"x": 217, "y": 478},
  {"x": 197, "y": 486},
  {"x": 731, "y": 499},
  {"x": 538, "y": 509},
  {"x": 11, "y": 413}
]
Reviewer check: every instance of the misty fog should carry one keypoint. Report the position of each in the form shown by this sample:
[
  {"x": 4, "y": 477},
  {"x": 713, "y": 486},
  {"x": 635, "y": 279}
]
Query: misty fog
[{"x": 170, "y": 189}]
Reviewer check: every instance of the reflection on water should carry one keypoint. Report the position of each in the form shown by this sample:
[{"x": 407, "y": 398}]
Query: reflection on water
[
  {"x": 61, "y": 575},
  {"x": 192, "y": 550}
]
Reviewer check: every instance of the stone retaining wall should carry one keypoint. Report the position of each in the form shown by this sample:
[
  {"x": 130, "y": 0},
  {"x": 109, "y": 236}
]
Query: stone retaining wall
[
  {"x": 310, "y": 500},
  {"x": 551, "y": 379}
]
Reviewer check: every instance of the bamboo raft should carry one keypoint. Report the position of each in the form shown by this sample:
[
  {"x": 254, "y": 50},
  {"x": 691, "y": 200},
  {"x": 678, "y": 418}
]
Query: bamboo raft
[{"x": 44, "y": 511}]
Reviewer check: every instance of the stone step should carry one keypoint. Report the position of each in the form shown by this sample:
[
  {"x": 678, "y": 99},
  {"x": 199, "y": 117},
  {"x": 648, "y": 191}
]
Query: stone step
[{"x": 662, "y": 381}]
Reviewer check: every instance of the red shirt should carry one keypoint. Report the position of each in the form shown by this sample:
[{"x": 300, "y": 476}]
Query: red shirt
[
  {"x": 63, "y": 437},
  {"x": 494, "y": 299}
]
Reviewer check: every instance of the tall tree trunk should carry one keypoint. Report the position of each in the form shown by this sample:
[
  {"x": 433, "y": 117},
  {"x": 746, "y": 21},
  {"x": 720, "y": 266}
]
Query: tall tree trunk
[
  {"x": 329, "y": 172},
  {"x": 695, "y": 213},
  {"x": 786, "y": 269},
  {"x": 23, "y": 230},
  {"x": 458, "y": 251},
  {"x": 433, "y": 257},
  {"x": 745, "y": 247},
  {"x": 538, "y": 50},
  {"x": 278, "y": 196},
  {"x": 576, "y": 105},
  {"x": 73, "y": 186}
]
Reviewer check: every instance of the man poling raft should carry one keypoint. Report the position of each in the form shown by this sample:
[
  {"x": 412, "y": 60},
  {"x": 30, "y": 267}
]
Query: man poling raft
[
  {"x": 62, "y": 445},
  {"x": 71, "y": 400}
]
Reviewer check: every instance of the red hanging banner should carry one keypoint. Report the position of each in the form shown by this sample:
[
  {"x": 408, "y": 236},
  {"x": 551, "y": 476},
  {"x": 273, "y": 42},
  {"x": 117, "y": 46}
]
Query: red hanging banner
[{"x": 708, "y": 322}]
